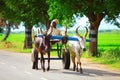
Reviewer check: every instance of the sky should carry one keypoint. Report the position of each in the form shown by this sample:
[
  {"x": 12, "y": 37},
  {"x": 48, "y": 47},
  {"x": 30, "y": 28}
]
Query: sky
[
  {"x": 103, "y": 26},
  {"x": 80, "y": 22}
]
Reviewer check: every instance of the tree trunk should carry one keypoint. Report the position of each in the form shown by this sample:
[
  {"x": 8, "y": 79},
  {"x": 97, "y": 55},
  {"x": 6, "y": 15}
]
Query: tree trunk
[
  {"x": 93, "y": 49},
  {"x": 28, "y": 38},
  {"x": 8, "y": 29},
  {"x": 95, "y": 20}
]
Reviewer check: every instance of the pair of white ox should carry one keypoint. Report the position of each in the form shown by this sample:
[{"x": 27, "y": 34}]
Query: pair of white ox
[{"x": 75, "y": 47}]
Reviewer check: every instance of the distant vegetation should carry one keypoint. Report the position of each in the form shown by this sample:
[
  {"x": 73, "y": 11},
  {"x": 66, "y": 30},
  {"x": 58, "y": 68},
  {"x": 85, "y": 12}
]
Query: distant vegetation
[{"x": 106, "y": 39}]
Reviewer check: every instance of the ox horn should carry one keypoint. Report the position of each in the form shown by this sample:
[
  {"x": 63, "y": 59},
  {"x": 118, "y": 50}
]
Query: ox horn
[
  {"x": 40, "y": 31},
  {"x": 33, "y": 34},
  {"x": 66, "y": 31},
  {"x": 77, "y": 32},
  {"x": 51, "y": 30},
  {"x": 86, "y": 32}
]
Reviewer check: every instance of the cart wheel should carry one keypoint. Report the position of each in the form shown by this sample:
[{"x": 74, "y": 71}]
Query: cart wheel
[{"x": 66, "y": 59}]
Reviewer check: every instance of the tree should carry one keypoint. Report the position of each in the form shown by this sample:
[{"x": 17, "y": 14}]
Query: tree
[
  {"x": 30, "y": 12},
  {"x": 6, "y": 20},
  {"x": 94, "y": 10},
  {"x": 7, "y": 26}
]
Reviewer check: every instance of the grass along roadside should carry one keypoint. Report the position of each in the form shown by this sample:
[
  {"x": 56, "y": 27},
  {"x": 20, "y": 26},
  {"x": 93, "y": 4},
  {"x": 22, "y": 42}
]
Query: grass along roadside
[{"x": 110, "y": 58}]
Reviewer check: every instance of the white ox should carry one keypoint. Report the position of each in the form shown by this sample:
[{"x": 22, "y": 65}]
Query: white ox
[{"x": 76, "y": 48}]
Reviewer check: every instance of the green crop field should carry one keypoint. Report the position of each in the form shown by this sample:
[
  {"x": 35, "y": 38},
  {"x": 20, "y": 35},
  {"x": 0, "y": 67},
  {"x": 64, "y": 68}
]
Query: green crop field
[
  {"x": 108, "y": 40},
  {"x": 14, "y": 42},
  {"x": 108, "y": 47}
]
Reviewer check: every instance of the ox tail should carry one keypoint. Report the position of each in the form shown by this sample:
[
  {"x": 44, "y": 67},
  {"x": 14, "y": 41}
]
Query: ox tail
[{"x": 32, "y": 55}]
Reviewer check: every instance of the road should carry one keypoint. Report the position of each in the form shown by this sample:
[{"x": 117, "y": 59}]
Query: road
[{"x": 18, "y": 66}]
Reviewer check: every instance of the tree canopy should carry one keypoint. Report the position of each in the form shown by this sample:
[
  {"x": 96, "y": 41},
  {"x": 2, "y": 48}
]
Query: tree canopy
[
  {"x": 64, "y": 10},
  {"x": 94, "y": 10},
  {"x": 30, "y": 12}
]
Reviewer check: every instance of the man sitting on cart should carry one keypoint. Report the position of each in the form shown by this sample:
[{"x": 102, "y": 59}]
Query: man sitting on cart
[{"x": 56, "y": 31}]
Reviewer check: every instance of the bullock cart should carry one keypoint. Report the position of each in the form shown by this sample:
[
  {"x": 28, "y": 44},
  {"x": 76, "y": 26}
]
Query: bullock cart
[{"x": 63, "y": 54}]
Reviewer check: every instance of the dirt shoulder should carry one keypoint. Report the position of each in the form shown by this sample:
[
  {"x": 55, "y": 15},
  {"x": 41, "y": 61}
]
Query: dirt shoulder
[{"x": 88, "y": 63}]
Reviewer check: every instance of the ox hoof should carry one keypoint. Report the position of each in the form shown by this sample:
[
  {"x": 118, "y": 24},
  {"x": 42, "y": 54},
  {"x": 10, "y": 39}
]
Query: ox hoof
[
  {"x": 81, "y": 71},
  {"x": 74, "y": 68},
  {"x": 33, "y": 68},
  {"x": 48, "y": 68},
  {"x": 77, "y": 69},
  {"x": 36, "y": 68},
  {"x": 43, "y": 69}
]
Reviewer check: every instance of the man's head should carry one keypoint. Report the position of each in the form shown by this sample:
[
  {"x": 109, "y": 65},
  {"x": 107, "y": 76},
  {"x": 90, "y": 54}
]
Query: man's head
[{"x": 54, "y": 23}]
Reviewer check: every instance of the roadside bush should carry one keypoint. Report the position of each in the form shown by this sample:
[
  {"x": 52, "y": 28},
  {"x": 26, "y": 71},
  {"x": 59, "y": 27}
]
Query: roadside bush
[{"x": 111, "y": 56}]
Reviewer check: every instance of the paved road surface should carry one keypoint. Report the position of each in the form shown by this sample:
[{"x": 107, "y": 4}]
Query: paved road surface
[{"x": 17, "y": 66}]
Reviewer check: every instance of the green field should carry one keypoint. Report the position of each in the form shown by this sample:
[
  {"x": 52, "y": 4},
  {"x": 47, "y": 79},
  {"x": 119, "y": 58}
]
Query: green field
[
  {"x": 108, "y": 47},
  {"x": 109, "y": 40},
  {"x": 14, "y": 42}
]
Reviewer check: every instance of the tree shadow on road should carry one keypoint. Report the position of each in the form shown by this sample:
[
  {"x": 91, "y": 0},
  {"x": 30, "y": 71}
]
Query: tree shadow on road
[{"x": 92, "y": 72}]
